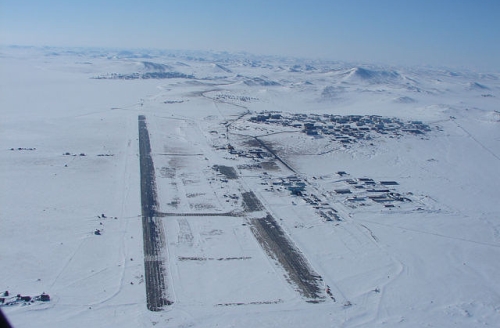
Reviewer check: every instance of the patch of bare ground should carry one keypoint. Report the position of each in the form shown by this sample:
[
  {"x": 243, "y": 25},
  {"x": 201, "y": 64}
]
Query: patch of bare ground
[{"x": 228, "y": 171}]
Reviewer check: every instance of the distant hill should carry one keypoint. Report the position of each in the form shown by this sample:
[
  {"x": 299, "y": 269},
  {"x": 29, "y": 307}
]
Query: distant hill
[
  {"x": 359, "y": 74},
  {"x": 477, "y": 86}
]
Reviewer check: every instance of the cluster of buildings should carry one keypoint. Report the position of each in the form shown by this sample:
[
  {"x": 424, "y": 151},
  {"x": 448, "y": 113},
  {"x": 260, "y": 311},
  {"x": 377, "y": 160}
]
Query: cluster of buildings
[
  {"x": 345, "y": 129},
  {"x": 9, "y": 300},
  {"x": 297, "y": 187},
  {"x": 255, "y": 153},
  {"x": 144, "y": 76},
  {"x": 292, "y": 183},
  {"x": 360, "y": 190},
  {"x": 231, "y": 97}
]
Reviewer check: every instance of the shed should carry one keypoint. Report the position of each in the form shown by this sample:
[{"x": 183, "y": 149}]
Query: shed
[{"x": 44, "y": 297}]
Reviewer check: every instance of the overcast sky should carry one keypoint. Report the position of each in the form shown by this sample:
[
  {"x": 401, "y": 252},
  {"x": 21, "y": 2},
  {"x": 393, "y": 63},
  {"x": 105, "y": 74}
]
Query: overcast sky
[{"x": 417, "y": 32}]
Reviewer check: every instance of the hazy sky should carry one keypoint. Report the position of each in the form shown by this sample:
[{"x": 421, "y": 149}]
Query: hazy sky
[{"x": 433, "y": 32}]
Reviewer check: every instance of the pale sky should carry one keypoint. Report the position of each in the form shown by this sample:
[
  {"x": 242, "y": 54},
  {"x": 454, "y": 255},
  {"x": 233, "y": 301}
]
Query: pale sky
[{"x": 454, "y": 33}]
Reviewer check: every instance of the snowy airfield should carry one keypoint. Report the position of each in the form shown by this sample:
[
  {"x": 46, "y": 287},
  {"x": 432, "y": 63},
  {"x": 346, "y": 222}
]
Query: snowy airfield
[{"x": 381, "y": 182}]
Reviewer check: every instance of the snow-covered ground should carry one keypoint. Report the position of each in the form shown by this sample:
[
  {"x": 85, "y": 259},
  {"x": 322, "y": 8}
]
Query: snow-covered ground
[{"x": 69, "y": 157}]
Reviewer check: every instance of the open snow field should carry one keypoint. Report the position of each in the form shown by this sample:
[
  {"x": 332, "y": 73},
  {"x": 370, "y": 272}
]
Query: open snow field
[{"x": 286, "y": 193}]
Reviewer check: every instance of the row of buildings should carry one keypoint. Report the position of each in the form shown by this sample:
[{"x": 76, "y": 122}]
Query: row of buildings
[{"x": 360, "y": 190}]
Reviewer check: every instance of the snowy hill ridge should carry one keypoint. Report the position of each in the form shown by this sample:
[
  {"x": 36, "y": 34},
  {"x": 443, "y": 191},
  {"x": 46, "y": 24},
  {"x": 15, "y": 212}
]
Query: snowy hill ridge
[
  {"x": 210, "y": 65},
  {"x": 477, "y": 86},
  {"x": 371, "y": 76}
]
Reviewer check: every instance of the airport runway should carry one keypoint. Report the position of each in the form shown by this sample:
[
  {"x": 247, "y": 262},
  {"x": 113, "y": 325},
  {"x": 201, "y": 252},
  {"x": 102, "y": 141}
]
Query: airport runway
[{"x": 152, "y": 227}]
